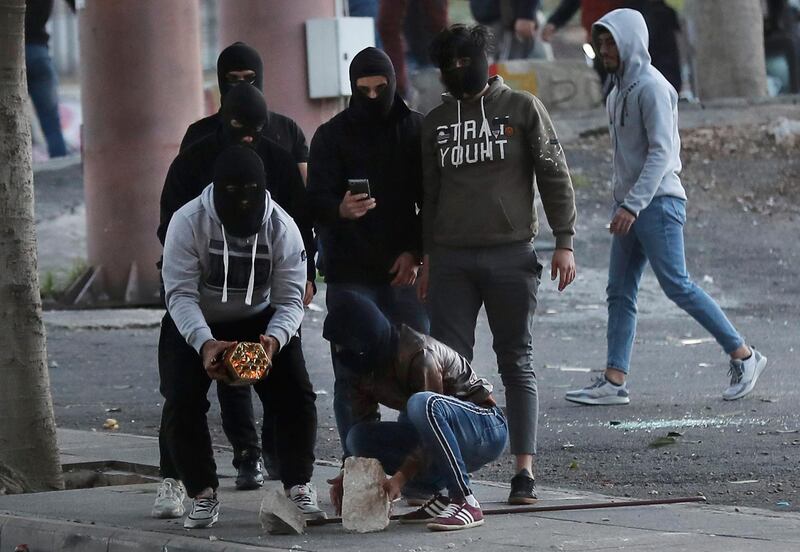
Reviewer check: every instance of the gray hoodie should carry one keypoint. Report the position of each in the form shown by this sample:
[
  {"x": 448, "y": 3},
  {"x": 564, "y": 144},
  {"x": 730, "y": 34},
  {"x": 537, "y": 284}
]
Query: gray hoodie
[
  {"x": 210, "y": 276},
  {"x": 643, "y": 118}
]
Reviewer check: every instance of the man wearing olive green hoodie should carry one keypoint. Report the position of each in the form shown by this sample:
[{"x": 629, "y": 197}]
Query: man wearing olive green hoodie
[{"x": 483, "y": 150}]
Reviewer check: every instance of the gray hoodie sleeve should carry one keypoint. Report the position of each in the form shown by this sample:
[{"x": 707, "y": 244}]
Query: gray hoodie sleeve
[
  {"x": 181, "y": 272},
  {"x": 288, "y": 281},
  {"x": 657, "y": 112}
]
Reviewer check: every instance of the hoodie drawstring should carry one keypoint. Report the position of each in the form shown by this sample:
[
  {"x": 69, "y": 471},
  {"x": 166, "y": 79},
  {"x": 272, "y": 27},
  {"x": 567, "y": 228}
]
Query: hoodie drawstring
[
  {"x": 485, "y": 131},
  {"x": 225, "y": 265},
  {"x": 459, "y": 152},
  {"x": 248, "y": 299}
]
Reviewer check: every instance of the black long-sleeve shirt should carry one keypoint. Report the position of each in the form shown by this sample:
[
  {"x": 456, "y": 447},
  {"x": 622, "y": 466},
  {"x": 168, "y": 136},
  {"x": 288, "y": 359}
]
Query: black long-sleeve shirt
[
  {"x": 281, "y": 129},
  {"x": 388, "y": 155},
  {"x": 193, "y": 170}
]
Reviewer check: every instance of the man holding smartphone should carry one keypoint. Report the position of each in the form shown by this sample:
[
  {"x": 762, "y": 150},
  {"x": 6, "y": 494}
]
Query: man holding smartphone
[{"x": 364, "y": 190}]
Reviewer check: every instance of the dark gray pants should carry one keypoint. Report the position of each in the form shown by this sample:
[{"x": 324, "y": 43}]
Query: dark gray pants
[{"x": 504, "y": 279}]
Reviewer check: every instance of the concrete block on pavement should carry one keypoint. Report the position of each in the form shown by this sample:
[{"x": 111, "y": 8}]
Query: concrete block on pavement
[
  {"x": 279, "y": 515},
  {"x": 365, "y": 506}
]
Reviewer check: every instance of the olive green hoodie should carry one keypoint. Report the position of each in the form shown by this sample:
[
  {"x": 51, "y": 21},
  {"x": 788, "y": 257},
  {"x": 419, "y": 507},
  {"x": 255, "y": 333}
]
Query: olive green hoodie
[{"x": 480, "y": 161}]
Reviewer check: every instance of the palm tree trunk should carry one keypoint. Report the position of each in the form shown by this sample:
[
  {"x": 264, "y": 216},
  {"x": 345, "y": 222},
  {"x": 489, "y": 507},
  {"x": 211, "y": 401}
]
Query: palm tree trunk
[{"x": 27, "y": 427}]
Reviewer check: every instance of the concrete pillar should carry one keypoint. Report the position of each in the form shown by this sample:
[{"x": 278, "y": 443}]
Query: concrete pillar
[
  {"x": 141, "y": 86},
  {"x": 276, "y": 28},
  {"x": 727, "y": 37}
]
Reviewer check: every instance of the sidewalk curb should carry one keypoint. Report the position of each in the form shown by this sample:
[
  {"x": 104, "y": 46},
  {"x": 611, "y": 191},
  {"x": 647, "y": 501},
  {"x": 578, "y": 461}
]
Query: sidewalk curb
[{"x": 49, "y": 535}]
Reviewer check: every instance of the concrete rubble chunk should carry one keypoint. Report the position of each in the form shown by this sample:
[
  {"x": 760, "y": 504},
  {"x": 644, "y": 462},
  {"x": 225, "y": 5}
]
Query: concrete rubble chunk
[
  {"x": 279, "y": 515},
  {"x": 365, "y": 505}
]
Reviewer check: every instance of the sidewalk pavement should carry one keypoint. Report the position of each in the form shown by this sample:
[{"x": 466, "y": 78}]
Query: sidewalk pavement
[{"x": 116, "y": 519}]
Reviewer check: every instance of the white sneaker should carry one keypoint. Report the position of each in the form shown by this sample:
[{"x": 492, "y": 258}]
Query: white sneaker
[
  {"x": 744, "y": 375},
  {"x": 169, "y": 500},
  {"x": 205, "y": 512},
  {"x": 305, "y": 497},
  {"x": 600, "y": 392}
]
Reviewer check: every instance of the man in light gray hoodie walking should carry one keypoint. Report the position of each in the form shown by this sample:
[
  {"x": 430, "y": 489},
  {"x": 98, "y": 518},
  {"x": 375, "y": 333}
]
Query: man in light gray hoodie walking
[
  {"x": 234, "y": 270},
  {"x": 650, "y": 211}
]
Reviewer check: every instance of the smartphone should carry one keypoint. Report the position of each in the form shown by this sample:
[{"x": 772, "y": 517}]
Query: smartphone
[{"x": 358, "y": 186}]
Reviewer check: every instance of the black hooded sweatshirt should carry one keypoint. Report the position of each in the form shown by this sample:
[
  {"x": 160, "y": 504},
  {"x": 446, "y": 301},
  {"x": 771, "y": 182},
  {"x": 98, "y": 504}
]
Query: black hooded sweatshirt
[
  {"x": 193, "y": 170},
  {"x": 279, "y": 128},
  {"x": 357, "y": 145}
]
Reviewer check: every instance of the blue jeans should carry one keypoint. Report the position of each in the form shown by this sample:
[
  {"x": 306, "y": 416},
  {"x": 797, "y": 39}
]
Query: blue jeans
[
  {"x": 366, "y": 8},
  {"x": 657, "y": 236},
  {"x": 401, "y": 306},
  {"x": 43, "y": 88},
  {"x": 457, "y": 437}
]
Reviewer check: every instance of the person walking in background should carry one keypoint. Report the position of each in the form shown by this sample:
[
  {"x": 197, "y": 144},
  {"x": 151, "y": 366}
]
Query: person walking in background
[
  {"x": 391, "y": 18},
  {"x": 650, "y": 212},
  {"x": 42, "y": 79},
  {"x": 366, "y": 8},
  {"x": 484, "y": 150},
  {"x": 513, "y": 23}
]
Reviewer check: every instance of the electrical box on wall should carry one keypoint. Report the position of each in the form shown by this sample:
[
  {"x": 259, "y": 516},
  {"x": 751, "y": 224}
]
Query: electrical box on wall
[{"x": 331, "y": 43}]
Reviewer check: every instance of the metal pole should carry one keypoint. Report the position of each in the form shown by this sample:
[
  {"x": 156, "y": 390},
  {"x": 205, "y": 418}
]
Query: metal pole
[
  {"x": 276, "y": 28},
  {"x": 141, "y": 86},
  {"x": 554, "y": 508}
]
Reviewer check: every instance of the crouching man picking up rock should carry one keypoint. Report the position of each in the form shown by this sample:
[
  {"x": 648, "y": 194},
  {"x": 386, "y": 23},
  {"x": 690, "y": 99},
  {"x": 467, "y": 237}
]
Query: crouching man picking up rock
[
  {"x": 234, "y": 270},
  {"x": 449, "y": 424}
]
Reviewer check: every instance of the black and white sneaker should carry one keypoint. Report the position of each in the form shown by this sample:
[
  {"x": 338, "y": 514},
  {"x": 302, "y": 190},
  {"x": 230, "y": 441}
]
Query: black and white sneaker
[
  {"x": 428, "y": 511},
  {"x": 250, "y": 473},
  {"x": 305, "y": 498},
  {"x": 523, "y": 489},
  {"x": 205, "y": 512}
]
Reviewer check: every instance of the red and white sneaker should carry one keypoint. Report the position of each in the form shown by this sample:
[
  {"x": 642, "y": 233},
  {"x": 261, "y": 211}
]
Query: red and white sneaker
[
  {"x": 428, "y": 511},
  {"x": 457, "y": 516}
]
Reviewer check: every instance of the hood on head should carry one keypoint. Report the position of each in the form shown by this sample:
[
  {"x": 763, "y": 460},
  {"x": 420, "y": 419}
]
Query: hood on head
[
  {"x": 246, "y": 104},
  {"x": 372, "y": 62},
  {"x": 240, "y": 191},
  {"x": 208, "y": 200},
  {"x": 632, "y": 38},
  {"x": 238, "y": 57}
]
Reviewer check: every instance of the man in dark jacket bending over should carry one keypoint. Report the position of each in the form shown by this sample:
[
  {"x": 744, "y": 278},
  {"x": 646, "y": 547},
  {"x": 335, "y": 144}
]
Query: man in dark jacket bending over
[{"x": 449, "y": 423}]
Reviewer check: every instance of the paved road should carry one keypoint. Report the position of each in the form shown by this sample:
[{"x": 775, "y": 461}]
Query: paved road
[{"x": 743, "y": 453}]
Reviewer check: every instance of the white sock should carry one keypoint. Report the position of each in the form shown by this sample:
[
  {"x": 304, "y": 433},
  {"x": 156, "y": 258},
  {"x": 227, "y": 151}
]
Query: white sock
[{"x": 472, "y": 501}]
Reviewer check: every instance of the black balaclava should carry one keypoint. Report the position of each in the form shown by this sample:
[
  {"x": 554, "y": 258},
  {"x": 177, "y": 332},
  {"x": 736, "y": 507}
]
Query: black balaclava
[
  {"x": 246, "y": 104},
  {"x": 371, "y": 62},
  {"x": 240, "y": 191},
  {"x": 238, "y": 57},
  {"x": 469, "y": 80},
  {"x": 357, "y": 325}
]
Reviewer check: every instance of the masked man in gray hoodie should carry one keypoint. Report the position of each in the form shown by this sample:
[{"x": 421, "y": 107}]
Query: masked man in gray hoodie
[
  {"x": 234, "y": 270},
  {"x": 483, "y": 149},
  {"x": 649, "y": 212}
]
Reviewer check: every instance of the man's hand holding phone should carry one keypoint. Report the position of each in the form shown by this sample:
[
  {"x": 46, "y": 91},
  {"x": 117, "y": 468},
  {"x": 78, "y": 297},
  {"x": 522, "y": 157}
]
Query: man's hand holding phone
[{"x": 357, "y": 201}]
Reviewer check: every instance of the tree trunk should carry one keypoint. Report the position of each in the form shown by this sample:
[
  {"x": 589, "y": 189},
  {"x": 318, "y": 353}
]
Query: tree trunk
[
  {"x": 728, "y": 39},
  {"x": 27, "y": 427}
]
